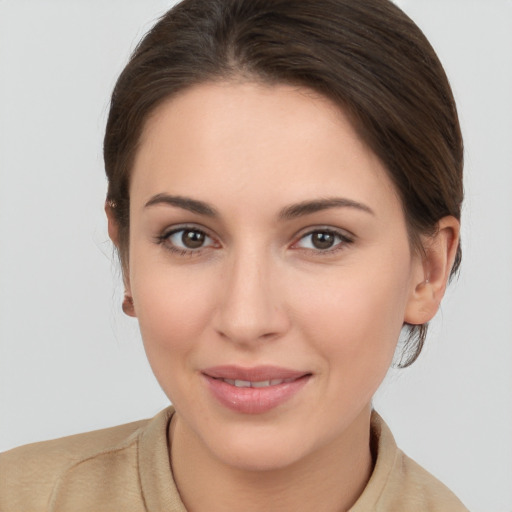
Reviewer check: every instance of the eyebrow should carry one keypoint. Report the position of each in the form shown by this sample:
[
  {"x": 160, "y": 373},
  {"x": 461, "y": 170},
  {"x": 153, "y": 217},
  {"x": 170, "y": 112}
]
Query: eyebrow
[
  {"x": 308, "y": 207},
  {"x": 186, "y": 203},
  {"x": 288, "y": 213}
]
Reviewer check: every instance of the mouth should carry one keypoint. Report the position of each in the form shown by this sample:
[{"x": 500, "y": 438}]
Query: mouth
[
  {"x": 256, "y": 384},
  {"x": 254, "y": 390},
  {"x": 256, "y": 374}
]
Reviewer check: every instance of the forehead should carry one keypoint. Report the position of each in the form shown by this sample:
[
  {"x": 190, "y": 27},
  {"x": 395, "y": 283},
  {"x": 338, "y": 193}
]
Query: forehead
[{"x": 246, "y": 141}]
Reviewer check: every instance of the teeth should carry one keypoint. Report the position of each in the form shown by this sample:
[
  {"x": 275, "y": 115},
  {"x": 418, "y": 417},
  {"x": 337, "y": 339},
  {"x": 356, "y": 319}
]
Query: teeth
[
  {"x": 262, "y": 384},
  {"x": 258, "y": 384}
]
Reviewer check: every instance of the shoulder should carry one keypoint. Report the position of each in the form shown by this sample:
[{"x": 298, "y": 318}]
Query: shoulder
[
  {"x": 398, "y": 484},
  {"x": 31, "y": 472},
  {"x": 420, "y": 490}
]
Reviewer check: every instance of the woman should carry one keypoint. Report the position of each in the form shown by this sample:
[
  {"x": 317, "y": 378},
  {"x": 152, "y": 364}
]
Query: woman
[{"x": 285, "y": 184}]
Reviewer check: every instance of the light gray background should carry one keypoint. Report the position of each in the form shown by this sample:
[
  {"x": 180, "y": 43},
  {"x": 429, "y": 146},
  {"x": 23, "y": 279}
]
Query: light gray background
[{"x": 70, "y": 361}]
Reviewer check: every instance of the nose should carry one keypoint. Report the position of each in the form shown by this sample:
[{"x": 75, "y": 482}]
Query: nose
[{"x": 250, "y": 307}]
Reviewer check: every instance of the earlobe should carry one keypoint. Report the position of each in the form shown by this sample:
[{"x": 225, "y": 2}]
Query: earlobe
[
  {"x": 431, "y": 280},
  {"x": 127, "y": 306}
]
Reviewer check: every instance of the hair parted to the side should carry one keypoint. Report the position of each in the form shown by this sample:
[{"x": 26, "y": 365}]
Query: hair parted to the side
[{"x": 366, "y": 56}]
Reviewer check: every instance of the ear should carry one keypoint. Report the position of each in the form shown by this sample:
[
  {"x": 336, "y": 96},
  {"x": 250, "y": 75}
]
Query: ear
[
  {"x": 429, "y": 283},
  {"x": 113, "y": 233},
  {"x": 113, "y": 226}
]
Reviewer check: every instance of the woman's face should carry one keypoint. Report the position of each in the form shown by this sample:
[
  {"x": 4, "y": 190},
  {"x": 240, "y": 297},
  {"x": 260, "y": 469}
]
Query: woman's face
[{"x": 270, "y": 269}]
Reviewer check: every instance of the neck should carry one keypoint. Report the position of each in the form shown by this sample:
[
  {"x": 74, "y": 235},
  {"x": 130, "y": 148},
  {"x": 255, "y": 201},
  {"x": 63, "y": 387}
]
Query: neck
[{"x": 329, "y": 480}]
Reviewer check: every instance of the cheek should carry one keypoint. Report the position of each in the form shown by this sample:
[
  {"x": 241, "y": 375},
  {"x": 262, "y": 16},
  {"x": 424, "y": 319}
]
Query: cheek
[
  {"x": 173, "y": 307},
  {"x": 355, "y": 319}
]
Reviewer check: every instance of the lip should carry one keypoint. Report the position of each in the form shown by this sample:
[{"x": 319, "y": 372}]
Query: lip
[{"x": 254, "y": 400}]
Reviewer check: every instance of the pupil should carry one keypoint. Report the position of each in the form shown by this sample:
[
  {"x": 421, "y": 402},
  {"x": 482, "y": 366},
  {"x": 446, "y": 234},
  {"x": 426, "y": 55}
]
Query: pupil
[
  {"x": 192, "y": 239},
  {"x": 323, "y": 240}
]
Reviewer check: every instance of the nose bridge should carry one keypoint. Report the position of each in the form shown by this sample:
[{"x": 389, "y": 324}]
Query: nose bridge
[{"x": 251, "y": 307}]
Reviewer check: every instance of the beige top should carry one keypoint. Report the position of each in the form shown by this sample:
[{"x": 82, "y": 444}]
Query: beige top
[{"x": 127, "y": 469}]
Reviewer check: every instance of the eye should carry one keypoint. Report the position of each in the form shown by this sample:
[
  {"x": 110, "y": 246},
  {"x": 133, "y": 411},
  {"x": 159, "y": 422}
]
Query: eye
[
  {"x": 187, "y": 239},
  {"x": 324, "y": 240}
]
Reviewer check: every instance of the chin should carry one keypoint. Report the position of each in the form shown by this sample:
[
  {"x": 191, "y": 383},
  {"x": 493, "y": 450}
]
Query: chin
[
  {"x": 259, "y": 457},
  {"x": 264, "y": 447}
]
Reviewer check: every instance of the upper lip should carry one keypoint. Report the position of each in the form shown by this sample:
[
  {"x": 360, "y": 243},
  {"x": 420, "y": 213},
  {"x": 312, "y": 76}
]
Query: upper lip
[{"x": 253, "y": 374}]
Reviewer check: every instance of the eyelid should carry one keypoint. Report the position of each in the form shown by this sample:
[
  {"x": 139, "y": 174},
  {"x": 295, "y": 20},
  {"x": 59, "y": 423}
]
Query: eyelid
[
  {"x": 164, "y": 239},
  {"x": 345, "y": 237}
]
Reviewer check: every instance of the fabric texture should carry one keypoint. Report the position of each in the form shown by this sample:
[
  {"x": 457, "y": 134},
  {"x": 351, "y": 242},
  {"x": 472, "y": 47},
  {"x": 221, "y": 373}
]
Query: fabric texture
[{"x": 127, "y": 468}]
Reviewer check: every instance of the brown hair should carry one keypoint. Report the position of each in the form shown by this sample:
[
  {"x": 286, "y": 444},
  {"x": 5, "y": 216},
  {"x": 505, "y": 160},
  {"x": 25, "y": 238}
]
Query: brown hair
[{"x": 365, "y": 55}]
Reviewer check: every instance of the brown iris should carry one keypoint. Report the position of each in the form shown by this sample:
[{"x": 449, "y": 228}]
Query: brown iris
[
  {"x": 193, "y": 239},
  {"x": 322, "y": 239}
]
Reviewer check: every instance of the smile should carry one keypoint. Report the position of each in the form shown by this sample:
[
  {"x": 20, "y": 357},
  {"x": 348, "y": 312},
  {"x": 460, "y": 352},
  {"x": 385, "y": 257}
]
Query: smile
[
  {"x": 258, "y": 384},
  {"x": 254, "y": 390}
]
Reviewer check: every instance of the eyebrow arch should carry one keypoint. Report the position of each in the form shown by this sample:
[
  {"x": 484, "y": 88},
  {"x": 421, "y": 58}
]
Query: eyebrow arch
[
  {"x": 308, "y": 207},
  {"x": 289, "y": 212},
  {"x": 186, "y": 203}
]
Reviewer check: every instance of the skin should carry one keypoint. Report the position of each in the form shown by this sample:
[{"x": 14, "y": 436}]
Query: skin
[{"x": 258, "y": 292}]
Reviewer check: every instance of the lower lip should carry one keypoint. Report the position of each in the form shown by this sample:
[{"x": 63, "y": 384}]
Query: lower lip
[{"x": 254, "y": 400}]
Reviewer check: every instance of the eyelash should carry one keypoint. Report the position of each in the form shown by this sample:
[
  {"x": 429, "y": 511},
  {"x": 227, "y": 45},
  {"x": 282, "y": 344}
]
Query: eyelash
[
  {"x": 164, "y": 240},
  {"x": 343, "y": 241}
]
